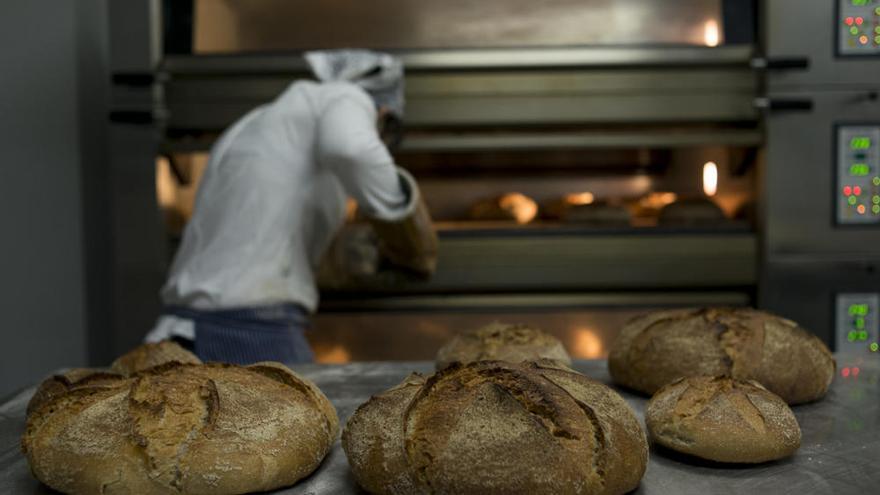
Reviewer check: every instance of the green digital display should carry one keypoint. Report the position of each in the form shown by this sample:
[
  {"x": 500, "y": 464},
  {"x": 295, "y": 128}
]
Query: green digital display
[
  {"x": 859, "y": 169},
  {"x": 860, "y": 143},
  {"x": 858, "y": 309},
  {"x": 859, "y": 3}
]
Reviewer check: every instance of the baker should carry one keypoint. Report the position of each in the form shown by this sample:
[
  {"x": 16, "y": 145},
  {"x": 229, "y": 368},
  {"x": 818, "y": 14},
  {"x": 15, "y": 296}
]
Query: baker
[{"x": 242, "y": 285}]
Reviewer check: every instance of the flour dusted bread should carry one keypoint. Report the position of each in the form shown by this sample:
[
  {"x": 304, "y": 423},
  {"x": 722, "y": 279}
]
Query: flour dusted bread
[
  {"x": 747, "y": 344},
  {"x": 722, "y": 419},
  {"x": 149, "y": 355},
  {"x": 180, "y": 429},
  {"x": 495, "y": 427},
  {"x": 502, "y": 342}
]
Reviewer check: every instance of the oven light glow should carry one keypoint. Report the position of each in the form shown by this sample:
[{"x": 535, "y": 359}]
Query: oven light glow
[
  {"x": 584, "y": 198},
  {"x": 711, "y": 33},
  {"x": 710, "y": 178}
]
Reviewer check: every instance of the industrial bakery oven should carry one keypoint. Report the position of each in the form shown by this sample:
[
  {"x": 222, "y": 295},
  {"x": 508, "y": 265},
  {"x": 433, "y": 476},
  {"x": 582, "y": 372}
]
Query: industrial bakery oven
[
  {"x": 584, "y": 161},
  {"x": 822, "y": 230}
]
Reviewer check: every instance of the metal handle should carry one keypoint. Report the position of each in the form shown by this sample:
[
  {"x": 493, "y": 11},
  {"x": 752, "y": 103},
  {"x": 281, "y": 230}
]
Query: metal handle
[
  {"x": 784, "y": 104},
  {"x": 780, "y": 63}
]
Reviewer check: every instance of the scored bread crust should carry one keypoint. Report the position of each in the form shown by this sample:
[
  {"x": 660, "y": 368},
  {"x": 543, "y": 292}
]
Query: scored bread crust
[
  {"x": 497, "y": 427},
  {"x": 181, "y": 428},
  {"x": 502, "y": 342},
  {"x": 747, "y": 344},
  {"x": 722, "y": 419},
  {"x": 148, "y": 355}
]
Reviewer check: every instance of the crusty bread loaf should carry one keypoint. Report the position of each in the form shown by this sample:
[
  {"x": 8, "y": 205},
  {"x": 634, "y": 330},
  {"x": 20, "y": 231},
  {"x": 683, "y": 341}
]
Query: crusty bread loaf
[
  {"x": 494, "y": 427},
  {"x": 502, "y": 342},
  {"x": 722, "y": 419},
  {"x": 181, "y": 429},
  {"x": 747, "y": 344},
  {"x": 507, "y": 207},
  {"x": 149, "y": 355}
]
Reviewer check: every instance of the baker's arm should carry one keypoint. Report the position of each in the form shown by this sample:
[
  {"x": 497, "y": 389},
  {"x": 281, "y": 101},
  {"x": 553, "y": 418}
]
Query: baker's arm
[{"x": 349, "y": 143}]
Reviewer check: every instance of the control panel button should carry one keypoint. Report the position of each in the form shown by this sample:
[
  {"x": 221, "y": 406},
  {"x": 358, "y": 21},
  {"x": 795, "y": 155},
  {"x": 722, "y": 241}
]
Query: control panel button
[
  {"x": 858, "y": 326},
  {"x": 858, "y": 175},
  {"x": 858, "y": 27}
]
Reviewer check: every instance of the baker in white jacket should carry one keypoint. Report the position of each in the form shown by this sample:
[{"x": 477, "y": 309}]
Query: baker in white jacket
[{"x": 273, "y": 196}]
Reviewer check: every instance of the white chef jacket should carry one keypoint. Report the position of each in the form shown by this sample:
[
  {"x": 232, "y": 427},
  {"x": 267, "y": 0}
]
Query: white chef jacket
[{"x": 273, "y": 197}]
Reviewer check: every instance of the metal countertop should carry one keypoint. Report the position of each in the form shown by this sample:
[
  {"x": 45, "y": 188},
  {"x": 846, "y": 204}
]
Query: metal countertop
[{"x": 840, "y": 449}]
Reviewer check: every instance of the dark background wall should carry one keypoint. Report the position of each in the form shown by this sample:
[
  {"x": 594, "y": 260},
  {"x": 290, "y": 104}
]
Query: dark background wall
[{"x": 53, "y": 99}]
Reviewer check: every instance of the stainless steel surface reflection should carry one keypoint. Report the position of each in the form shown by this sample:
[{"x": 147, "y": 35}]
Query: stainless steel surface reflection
[{"x": 838, "y": 454}]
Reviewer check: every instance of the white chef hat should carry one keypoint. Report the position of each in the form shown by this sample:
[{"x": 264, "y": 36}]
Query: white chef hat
[{"x": 379, "y": 74}]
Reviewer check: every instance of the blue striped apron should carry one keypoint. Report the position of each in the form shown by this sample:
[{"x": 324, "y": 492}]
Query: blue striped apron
[{"x": 249, "y": 335}]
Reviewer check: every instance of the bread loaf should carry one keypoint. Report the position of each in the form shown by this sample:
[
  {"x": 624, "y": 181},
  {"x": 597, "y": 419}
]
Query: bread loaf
[
  {"x": 747, "y": 344},
  {"x": 149, "y": 355},
  {"x": 180, "y": 429},
  {"x": 722, "y": 419},
  {"x": 494, "y": 427},
  {"x": 502, "y": 342}
]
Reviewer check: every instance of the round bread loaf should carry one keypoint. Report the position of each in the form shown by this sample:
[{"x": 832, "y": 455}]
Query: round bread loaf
[
  {"x": 494, "y": 427},
  {"x": 722, "y": 419},
  {"x": 149, "y": 355},
  {"x": 747, "y": 344},
  {"x": 511, "y": 207},
  {"x": 502, "y": 342},
  {"x": 181, "y": 429}
]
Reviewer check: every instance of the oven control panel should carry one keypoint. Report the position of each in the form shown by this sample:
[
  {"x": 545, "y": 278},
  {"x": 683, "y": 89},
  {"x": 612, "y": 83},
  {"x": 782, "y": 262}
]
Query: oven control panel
[
  {"x": 858, "y": 326},
  {"x": 858, "y": 175},
  {"x": 858, "y": 27}
]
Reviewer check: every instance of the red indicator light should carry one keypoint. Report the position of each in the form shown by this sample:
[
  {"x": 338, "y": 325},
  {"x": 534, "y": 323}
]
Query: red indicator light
[
  {"x": 847, "y": 190},
  {"x": 849, "y": 21},
  {"x": 861, "y": 209},
  {"x": 855, "y": 371},
  {"x": 860, "y": 21},
  {"x": 844, "y": 372},
  {"x": 857, "y": 191}
]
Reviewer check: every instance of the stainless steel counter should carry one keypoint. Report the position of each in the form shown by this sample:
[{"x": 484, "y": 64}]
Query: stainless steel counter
[{"x": 840, "y": 450}]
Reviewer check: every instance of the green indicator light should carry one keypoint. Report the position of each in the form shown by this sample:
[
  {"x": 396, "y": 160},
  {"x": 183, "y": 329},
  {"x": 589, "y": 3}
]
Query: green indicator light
[
  {"x": 860, "y": 323},
  {"x": 875, "y": 347},
  {"x": 851, "y": 336},
  {"x": 860, "y": 143},
  {"x": 851, "y": 200},
  {"x": 863, "y": 335},
  {"x": 877, "y": 29},
  {"x": 859, "y": 3},
  {"x": 877, "y": 39},
  {"x": 859, "y": 169},
  {"x": 858, "y": 310},
  {"x": 853, "y": 30},
  {"x": 876, "y": 181},
  {"x": 876, "y": 200},
  {"x": 876, "y": 209},
  {"x": 877, "y": 11}
]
